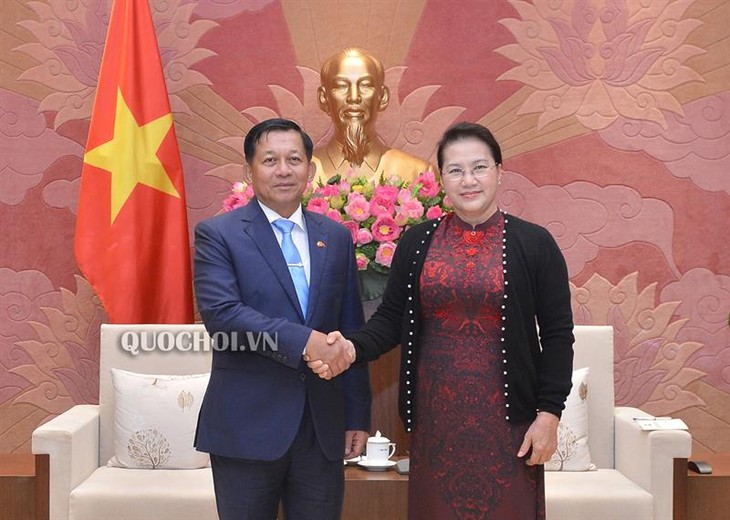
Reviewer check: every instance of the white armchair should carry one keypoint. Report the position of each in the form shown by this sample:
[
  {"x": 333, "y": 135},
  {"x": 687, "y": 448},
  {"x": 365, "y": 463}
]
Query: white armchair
[
  {"x": 633, "y": 480},
  {"x": 635, "y": 467},
  {"x": 80, "y": 442}
]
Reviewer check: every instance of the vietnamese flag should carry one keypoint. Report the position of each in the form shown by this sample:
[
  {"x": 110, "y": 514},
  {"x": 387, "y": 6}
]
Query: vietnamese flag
[{"x": 132, "y": 232}]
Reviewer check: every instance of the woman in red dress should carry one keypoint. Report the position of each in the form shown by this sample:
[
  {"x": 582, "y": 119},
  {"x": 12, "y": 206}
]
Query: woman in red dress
[{"x": 480, "y": 390}]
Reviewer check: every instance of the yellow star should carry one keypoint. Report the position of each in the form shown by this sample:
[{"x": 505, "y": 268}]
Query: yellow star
[{"x": 131, "y": 156}]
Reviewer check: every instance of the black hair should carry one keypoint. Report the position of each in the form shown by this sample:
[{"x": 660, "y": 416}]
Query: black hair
[
  {"x": 464, "y": 130},
  {"x": 274, "y": 125}
]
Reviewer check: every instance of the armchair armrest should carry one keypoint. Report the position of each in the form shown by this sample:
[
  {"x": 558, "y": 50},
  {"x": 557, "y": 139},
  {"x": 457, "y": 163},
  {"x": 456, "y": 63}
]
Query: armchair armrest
[
  {"x": 72, "y": 442},
  {"x": 647, "y": 457}
]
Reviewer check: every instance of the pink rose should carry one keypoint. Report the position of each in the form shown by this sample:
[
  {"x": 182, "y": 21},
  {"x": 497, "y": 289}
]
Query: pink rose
[
  {"x": 234, "y": 200},
  {"x": 318, "y": 205},
  {"x": 385, "y": 229},
  {"x": 389, "y": 193},
  {"x": 434, "y": 212},
  {"x": 353, "y": 227},
  {"x": 362, "y": 261},
  {"x": 404, "y": 196},
  {"x": 240, "y": 196},
  {"x": 401, "y": 216},
  {"x": 328, "y": 190},
  {"x": 382, "y": 205},
  {"x": 364, "y": 237},
  {"x": 413, "y": 208},
  {"x": 384, "y": 254},
  {"x": 429, "y": 185},
  {"x": 357, "y": 207},
  {"x": 334, "y": 215}
]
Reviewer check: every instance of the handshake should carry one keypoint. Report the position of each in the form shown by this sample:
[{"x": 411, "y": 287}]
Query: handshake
[{"x": 328, "y": 355}]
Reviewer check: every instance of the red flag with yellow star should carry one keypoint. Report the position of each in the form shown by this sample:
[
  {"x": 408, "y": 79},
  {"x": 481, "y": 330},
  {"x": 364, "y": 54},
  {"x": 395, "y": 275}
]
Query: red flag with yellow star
[{"x": 131, "y": 231}]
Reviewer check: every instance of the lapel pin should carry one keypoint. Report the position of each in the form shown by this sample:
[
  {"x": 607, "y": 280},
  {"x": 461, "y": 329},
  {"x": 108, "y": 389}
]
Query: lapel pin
[{"x": 320, "y": 243}]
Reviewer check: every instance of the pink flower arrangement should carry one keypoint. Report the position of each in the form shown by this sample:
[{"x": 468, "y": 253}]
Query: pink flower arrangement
[
  {"x": 378, "y": 214},
  {"x": 375, "y": 214}
]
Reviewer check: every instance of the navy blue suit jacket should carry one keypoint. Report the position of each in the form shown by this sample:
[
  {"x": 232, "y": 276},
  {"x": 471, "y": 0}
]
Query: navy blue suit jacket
[{"x": 255, "y": 400}]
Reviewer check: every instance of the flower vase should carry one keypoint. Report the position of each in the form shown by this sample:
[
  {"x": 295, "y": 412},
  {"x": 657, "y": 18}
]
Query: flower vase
[{"x": 372, "y": 284}]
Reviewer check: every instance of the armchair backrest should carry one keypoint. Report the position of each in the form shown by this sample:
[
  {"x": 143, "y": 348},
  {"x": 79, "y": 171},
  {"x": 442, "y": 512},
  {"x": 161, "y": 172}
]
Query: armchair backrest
[
  {"x": 159, "y": 350},
  {"x": 593, "y": 348}
]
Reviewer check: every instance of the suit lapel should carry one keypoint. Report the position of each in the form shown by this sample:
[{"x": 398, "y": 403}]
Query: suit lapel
[
  {"x": 317, "y": 238},
  {"x": 258, "y": 228}
]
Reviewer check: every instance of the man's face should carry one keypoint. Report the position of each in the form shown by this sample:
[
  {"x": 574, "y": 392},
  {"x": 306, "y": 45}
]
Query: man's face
[
  {"x": 280, "y": 171},
  {"x": 353, "y": 93}
]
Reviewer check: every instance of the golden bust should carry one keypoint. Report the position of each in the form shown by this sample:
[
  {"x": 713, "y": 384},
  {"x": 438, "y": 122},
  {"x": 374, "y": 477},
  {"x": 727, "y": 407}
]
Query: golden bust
[{"x": 352, "y": 92}]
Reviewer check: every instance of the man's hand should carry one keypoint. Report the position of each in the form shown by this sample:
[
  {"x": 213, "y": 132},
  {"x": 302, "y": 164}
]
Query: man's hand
[
  {"x": 328, "y": 356},
  {"x": 542, "y": 437},
  {"x": 355, "y": 441}
]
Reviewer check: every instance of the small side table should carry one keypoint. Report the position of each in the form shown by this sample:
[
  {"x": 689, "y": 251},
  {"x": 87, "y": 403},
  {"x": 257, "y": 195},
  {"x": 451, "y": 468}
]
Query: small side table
[
  {"x": 702, "y": 497},
  {"x": 24, "y": 486},
  {"x": 375, "y": 494}
]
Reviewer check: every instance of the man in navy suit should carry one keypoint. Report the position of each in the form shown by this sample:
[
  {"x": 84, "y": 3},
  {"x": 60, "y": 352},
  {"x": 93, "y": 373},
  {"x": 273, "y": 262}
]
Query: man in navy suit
[{"x": 274, "y": 429}]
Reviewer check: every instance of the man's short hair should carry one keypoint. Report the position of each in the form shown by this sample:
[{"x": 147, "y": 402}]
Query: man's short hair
[
  {"x": 461, "y": 131},
  {"x": 332, "y": 61},
  {"x": 264, "y": 128}
]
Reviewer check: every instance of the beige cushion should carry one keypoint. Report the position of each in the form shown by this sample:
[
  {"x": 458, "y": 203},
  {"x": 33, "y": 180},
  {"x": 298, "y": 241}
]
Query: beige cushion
[
  {"x": 573, "y": 453},
  {"x": 155, "y": 417},
  {"x": 141, "y": 494},
  {"x": 605, "y": 494}
]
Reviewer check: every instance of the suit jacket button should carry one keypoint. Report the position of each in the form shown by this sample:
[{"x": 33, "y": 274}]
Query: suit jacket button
[{"x": 302, "y": 376}]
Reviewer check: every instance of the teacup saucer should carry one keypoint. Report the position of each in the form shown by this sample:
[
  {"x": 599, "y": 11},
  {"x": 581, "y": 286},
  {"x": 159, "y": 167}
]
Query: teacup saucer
[
  {"x": 376, "y": 465},
  {"x": 354, "y": 460}
]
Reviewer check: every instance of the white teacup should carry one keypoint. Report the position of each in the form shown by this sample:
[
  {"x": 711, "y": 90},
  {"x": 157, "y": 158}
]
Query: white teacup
[{"x": 379, "y": 448}]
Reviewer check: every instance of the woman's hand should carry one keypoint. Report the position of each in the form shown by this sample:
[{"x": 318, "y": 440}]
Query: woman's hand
[{"x": 542, "y": 437}]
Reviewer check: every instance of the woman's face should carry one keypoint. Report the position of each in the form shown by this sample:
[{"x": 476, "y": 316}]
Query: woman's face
[{"x": 470, "y": 178}]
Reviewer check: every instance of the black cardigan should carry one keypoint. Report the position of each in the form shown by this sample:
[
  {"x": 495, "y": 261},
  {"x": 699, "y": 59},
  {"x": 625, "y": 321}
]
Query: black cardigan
[{"x": 536, "y": 292}]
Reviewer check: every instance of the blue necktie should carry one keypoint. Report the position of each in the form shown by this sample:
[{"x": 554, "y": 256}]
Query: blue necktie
[{"x": 294, "y": 262}]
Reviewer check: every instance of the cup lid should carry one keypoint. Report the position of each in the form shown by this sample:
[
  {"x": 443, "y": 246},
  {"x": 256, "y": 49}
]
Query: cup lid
[{"x": 378, "y": 437}]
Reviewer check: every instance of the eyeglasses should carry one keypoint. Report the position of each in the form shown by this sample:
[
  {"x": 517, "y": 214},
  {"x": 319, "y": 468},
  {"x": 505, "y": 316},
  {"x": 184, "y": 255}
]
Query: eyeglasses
[{"x": 479, "y": 171}]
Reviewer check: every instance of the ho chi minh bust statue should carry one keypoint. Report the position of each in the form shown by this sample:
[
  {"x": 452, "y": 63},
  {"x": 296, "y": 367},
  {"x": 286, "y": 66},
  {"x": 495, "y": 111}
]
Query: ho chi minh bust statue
[{"x": 352, "y": 92}]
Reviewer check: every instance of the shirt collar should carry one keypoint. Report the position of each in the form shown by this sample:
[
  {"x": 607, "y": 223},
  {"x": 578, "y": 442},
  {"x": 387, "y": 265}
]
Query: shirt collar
[{"x": 297, "y": 217}]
